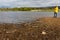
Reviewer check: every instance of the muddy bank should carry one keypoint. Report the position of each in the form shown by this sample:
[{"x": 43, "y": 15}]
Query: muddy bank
[{"x": 41, "y": 29}]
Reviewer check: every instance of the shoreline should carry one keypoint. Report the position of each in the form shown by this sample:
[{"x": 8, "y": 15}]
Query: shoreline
[{"x": 42, "y": 28}]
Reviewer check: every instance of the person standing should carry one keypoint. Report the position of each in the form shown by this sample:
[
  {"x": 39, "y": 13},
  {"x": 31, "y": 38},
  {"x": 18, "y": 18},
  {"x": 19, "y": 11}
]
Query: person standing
[{"x": 55, "y": 11}]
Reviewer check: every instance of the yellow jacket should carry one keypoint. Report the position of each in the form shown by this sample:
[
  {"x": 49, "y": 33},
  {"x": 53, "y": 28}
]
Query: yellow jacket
[{"x": 56, "y": 9}]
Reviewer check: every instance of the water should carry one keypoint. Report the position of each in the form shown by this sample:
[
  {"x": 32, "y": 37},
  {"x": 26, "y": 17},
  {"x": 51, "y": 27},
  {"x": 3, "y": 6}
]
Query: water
[{"x": 16, "y": 17}]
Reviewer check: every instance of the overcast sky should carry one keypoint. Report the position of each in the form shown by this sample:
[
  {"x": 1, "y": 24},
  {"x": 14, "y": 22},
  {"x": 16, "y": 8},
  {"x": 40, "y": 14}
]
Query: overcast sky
[{"x": 28, "y": 3}]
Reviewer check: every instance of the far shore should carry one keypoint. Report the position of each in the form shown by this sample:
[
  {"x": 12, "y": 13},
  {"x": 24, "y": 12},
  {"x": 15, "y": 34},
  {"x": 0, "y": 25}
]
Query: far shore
[{"x": 34, "y": 9}]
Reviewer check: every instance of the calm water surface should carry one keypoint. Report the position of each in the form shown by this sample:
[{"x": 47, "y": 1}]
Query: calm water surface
[{"x": 16, "y": 17}]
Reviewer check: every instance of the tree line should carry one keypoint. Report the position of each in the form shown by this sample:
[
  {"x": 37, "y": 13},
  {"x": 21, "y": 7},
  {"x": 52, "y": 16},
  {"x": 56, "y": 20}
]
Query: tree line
[{"x": 24, "y": 9}]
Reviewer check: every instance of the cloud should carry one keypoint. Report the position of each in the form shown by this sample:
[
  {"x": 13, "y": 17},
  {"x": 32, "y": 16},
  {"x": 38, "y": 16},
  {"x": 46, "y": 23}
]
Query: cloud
[{"x": 29, "y": 3}]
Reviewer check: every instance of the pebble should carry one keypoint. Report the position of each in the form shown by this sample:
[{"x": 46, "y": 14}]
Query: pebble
[{"x": 44, "y": 33}]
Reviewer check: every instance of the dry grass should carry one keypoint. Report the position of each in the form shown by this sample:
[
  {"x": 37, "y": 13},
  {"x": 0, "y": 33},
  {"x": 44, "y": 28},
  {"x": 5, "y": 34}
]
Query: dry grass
[{"x": 32, "y": 31}]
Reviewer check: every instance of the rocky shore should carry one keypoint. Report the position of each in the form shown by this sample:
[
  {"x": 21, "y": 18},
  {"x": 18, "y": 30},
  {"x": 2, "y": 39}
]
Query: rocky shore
[{"x": 41, "y": 29}]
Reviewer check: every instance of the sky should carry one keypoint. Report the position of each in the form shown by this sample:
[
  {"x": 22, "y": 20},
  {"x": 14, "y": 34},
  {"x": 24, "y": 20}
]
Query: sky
[{"x": 28, "y": 3}]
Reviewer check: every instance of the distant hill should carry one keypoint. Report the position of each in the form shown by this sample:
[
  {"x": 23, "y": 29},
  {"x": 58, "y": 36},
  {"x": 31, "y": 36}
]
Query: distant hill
[
  {"x": 41, "y": 7},
  {"x": 30, "y": 7}
]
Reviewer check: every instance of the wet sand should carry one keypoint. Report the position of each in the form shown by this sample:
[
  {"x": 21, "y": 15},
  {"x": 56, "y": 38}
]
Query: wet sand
[{"x": 41, "y": 29}]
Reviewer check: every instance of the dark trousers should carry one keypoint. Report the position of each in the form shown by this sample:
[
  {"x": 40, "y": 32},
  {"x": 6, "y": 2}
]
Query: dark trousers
[{"x": 55, "y": 14}]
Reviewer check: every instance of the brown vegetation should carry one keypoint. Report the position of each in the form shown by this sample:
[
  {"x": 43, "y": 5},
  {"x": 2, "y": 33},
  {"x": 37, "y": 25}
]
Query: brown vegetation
[{"x": 32, "y": 31}]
